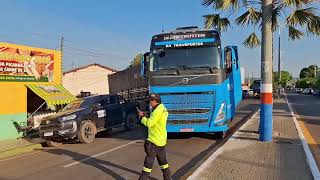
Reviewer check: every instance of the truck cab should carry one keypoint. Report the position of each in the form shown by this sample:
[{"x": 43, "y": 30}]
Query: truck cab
[{"x": 199, "y": 81}]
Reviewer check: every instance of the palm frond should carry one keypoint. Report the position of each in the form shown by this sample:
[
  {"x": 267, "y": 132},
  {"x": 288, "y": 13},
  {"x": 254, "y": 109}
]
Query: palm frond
[
  {"x": 230, "y": 4},
  {"x": 314, "y": 26},
  {"x": 207, "y": 3},
  {"x": 224, "y": 24},
  {"x": 251, "y": 16},
  {"x": 214, "y": 21},
  {"x": 297, "y": 3},
  {"x": 252, "y": 41},
  {"x": 276, "y": 12},
  {"x": 301, "y": 16},
  {"x": 216, "y": 4},
  {"x": 294, "y": 33}
]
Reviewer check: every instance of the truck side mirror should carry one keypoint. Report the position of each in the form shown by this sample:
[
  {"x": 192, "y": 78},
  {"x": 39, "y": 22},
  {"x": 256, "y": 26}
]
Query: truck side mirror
[{"x": 144, "y": 65}]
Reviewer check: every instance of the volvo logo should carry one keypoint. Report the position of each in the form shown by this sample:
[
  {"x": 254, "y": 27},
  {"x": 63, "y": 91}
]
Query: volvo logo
[{"x": 185, "y": 80}]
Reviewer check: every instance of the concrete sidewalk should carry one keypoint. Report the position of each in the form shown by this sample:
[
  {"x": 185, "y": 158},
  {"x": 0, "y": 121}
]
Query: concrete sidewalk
[
  {"x": 14, "y": 147},
  {"x": 245, "y": 157}
]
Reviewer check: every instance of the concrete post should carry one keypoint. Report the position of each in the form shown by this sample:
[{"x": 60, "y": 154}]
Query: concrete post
[{"x": 266, "y": 100}]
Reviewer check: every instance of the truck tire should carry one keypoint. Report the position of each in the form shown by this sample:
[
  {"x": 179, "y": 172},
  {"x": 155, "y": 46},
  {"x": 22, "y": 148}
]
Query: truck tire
[
  {"x": 221, "y": 134},
  {"x": 51, "y": 144},
  {"x": 87, "y": 132},
  {"x": 131, "y": 121}
]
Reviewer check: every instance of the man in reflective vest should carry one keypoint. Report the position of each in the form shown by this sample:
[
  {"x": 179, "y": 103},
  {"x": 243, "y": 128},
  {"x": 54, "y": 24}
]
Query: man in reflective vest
[{"x": 154, "y": 146}]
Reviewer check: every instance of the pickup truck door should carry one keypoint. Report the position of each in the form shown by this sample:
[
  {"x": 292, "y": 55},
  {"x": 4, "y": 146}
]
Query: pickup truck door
[
  {"x": 114, "y": 111},
  {"x": 99, "y": 113}
]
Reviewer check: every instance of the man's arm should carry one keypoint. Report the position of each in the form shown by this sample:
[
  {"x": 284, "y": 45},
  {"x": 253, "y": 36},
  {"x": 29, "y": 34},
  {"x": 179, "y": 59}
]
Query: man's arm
[{"x": 153, "y": 119}]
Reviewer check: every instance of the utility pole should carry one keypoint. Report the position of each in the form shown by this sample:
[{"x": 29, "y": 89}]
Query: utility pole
[
  {"x": 61, "y": 46},
  {"x": 266, "y": 101},
  {"x": 315, "y": 71}
]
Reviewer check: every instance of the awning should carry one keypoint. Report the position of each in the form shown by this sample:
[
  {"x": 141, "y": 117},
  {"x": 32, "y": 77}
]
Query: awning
[{"x": 52, "y": 94}]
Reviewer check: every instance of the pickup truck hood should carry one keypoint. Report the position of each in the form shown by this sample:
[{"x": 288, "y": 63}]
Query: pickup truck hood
[{"x": 62, "y": 114}]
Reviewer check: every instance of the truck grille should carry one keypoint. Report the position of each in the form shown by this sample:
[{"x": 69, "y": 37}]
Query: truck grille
[
  {"x": 188, "y": 111},
  {"x": 189, "y": 108},
  {"x": 186, "y": 122}
]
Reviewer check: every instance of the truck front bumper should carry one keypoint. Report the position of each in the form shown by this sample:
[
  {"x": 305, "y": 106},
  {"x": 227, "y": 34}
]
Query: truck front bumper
[{"x": 197, "y": 128}]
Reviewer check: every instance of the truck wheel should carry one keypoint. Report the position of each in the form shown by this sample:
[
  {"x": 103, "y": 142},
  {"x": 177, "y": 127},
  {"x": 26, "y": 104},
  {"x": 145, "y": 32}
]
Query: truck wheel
[
  {"x": 131, "y": 121},
  {"x": 221, "y": 134},
  {"x": 87, "y": 132},
  {"x": 51, "y": 144}
]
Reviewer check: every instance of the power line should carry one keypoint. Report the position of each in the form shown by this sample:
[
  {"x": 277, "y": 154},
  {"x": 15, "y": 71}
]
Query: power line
[
  {"x": 93, "y": 55},
  {"x": 90, "y": 51}
]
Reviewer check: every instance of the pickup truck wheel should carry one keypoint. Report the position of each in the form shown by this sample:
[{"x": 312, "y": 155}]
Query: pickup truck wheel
[
  {"x": 51, "y": 144},
  {"x": 87, "y": 132},
  {"x": 131, "y": 121}
]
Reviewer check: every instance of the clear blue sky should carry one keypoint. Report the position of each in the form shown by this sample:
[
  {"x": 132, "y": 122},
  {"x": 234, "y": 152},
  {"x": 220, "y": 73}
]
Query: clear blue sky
[{"x": 118, "y": 30}]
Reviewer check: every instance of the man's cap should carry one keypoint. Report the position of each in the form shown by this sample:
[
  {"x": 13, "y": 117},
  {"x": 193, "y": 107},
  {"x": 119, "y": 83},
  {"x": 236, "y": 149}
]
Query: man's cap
[{"x": 154, "y": 96}]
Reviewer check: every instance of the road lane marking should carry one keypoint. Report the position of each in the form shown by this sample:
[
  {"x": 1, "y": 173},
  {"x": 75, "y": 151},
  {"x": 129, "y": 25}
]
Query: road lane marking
[
  {"x": 100, "y": 154},
  {"x": 310, "y": 159},
  {"x": 216, "y": 153},
  {"x": 310, "y": 140}
]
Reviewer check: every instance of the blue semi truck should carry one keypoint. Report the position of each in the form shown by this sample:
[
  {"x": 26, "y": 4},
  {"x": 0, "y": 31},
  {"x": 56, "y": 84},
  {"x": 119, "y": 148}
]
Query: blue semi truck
[{"x": 199, "y": 81}]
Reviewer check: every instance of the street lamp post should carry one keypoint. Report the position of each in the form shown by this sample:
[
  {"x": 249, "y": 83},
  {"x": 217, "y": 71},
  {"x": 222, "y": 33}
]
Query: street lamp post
[
  {"x": 266, "y": 101},
  {"x": 279, "y": 57}
]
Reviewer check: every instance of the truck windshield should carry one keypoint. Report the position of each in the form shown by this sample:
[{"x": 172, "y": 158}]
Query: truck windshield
[{"x": 191, "y": 57}]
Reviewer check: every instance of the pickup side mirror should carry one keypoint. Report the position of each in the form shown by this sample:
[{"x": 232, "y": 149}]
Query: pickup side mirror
[{"x": 96, "y": 105}]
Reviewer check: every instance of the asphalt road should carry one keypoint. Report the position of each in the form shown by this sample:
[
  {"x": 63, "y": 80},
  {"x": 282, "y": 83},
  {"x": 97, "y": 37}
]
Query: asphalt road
[
  {"x": 307, "y": 109},
  {"x": 117, "y": 155}
]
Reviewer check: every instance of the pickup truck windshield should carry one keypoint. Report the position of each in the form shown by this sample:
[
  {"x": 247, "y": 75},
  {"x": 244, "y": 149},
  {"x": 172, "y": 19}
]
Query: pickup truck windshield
[
  {"x": 83, "y": 103},
  {"x": 191, "y": 57}
]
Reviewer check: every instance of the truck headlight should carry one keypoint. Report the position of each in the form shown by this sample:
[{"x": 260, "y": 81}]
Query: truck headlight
[
  {"x": 221, "y": 113},
  {"x": 70, "y": 117}
]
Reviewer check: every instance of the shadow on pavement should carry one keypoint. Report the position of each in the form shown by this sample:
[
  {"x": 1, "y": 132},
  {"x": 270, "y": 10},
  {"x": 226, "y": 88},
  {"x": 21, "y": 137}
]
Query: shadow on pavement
[{"x": 94, "y": 162}]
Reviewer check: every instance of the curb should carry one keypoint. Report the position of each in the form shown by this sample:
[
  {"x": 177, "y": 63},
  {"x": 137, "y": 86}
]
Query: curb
[{"x": 4, "y": 155}]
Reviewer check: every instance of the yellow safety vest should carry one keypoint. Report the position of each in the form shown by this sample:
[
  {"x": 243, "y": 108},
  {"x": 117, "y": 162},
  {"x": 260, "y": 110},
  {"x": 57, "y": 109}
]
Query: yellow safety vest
[{"x": 156, "y": 123}]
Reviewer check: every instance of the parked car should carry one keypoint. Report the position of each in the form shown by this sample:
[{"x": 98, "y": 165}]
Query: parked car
[
  {"x": 250, "y": 92},
  {"x": 245, "y": 93},
  {"x": 316, "y": 93},
  {"x": 83, "y": 118},
  {"x": 298, "y": 90},
  {"x": 307, "y": 91}
]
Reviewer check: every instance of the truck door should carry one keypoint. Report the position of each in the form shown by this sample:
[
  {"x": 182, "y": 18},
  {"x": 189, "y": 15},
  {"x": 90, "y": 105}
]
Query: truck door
[
  {"x": 114, "y": 111},
  {"x": 233, "y": 73}
]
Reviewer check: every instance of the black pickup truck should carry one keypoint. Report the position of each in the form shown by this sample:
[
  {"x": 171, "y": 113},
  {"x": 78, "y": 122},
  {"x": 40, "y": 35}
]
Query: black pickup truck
[{"x": 83, "y": 118}]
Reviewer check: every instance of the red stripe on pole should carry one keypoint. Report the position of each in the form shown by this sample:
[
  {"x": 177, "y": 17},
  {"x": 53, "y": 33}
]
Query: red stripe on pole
[{"x": 266, "y": 98}]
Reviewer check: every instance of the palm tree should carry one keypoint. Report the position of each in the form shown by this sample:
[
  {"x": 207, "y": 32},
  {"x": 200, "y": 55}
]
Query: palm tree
[
  {"x": 299, "y": 17},
  {"x": 265, "y": 14}
]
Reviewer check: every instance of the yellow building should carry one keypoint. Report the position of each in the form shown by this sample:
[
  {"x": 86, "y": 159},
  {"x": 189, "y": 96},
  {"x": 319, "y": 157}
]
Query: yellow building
[{"x": 29, "y": 77}]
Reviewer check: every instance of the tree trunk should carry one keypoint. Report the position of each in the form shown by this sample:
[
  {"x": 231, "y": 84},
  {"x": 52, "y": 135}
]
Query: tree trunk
[{"x": 266, "y": 101}]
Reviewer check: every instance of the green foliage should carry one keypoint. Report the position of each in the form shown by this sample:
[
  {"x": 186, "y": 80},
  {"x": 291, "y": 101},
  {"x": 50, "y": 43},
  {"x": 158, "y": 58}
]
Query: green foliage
[
  {"x": 300, "y": 16},
  {"x": 317, "y": 84},
  {"x": 136, "y": 61},
  {"x": 306, "y": 83},
  {"x": 308, "y": 72},
  {"x": 285, "y": 78}
]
